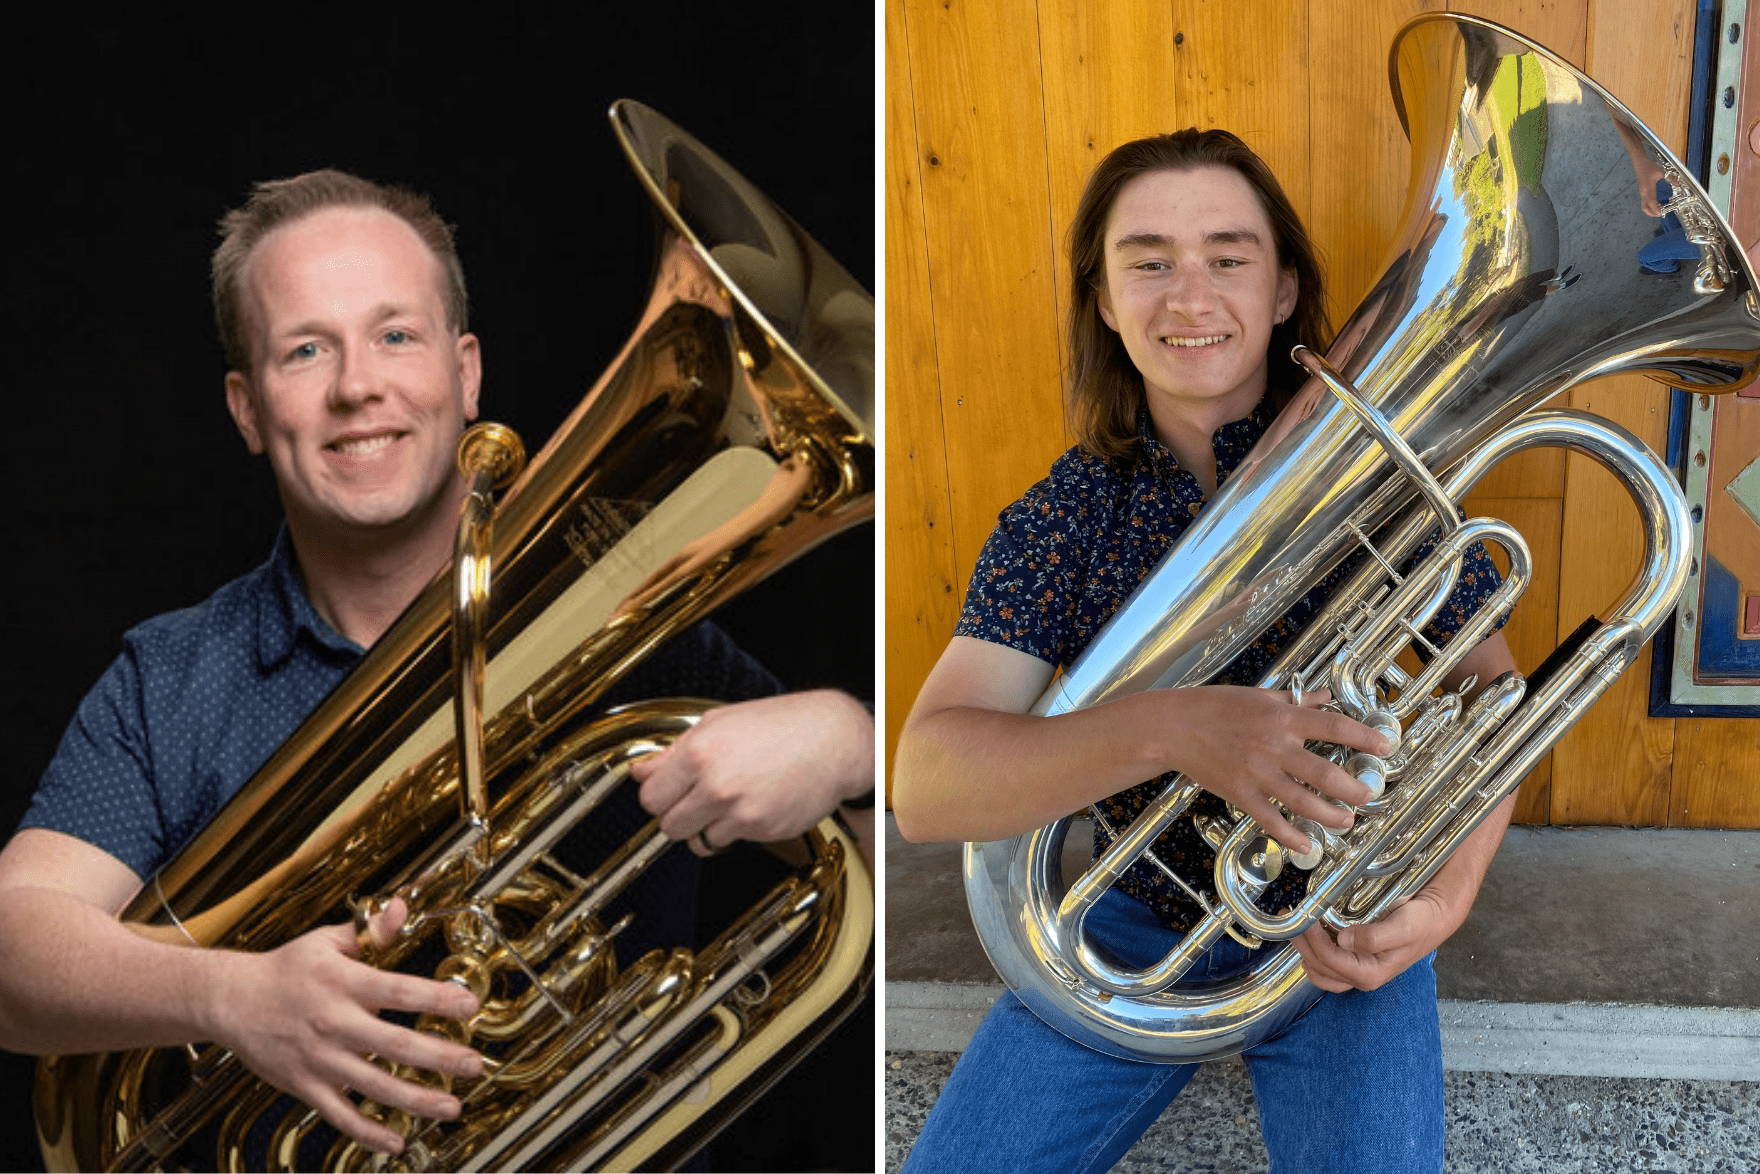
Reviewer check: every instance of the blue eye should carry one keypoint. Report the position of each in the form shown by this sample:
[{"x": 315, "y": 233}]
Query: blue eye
[
  {"x": 305, "y": 350},
  {"x": 397, "y": 337}
]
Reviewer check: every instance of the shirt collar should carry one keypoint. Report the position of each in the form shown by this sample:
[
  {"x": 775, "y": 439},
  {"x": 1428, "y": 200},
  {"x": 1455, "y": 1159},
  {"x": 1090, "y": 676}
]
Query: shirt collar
[
  {"x": 285, "y": 612},
  {"x": 1230, "y": 443}
]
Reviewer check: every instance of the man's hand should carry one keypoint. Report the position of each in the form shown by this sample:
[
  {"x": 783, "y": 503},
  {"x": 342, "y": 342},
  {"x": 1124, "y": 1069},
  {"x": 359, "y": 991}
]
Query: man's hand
[
  {"x": 1247, "y": 745},
  {"x": 1370, "y": 956},
  {"x": 305, "y": 1019},
  {"x": 760, "y": 770}
]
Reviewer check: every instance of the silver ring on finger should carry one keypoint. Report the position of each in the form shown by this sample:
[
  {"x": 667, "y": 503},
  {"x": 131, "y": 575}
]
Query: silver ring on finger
[
  {"x": 1296, "y": 689},
  {"x": 709, "y": 847}
]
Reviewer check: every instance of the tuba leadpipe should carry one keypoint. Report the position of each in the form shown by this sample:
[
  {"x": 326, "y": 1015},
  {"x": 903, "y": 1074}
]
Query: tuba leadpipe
[
  {"x": 729, "y": 436},
  {"x": 1514, "y": 278}
]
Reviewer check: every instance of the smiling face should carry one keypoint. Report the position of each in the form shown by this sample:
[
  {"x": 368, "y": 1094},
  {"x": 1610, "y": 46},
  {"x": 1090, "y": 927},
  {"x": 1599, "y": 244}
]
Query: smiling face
[
  {"x": 1193, "y": 287},
  {"x": 359, "y": 388}
]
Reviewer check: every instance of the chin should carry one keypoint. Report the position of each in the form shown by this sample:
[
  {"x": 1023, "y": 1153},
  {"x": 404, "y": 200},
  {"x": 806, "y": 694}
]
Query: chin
[{"x": 372, "y": 512}]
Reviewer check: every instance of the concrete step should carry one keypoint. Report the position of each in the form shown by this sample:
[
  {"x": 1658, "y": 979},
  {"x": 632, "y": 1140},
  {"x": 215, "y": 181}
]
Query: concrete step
[{"x": 1546, "y": 1039}]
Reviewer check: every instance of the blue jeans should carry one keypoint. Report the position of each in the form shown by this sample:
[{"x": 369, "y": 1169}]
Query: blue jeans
[{"x": 1355, "y": 1085}]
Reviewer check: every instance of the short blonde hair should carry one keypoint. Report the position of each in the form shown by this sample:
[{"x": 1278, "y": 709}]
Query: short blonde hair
[{"x": 276, "y": 202}]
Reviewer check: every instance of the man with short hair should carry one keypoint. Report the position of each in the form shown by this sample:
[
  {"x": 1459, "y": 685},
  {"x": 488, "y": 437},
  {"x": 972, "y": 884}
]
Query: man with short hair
[{"x": 342, "y": 309}]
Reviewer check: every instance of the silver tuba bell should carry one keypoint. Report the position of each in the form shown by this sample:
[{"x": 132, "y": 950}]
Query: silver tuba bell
[{"x": 1514, "y": 278}]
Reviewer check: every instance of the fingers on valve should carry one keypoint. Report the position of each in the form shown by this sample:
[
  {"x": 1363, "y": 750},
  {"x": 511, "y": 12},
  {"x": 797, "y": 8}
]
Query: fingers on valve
[
  {"x": 429, "y": 1053},
  {"x": 340, "y": 1112},
  {"x": 418, "y": 1100},
  {"x": 389, "y": 990},
  {"x": 664, "y": 782}
]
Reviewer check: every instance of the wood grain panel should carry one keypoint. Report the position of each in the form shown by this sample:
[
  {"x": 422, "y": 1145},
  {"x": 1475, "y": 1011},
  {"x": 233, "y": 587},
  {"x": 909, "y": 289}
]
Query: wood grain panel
[
  {"x": 921, "y": 599},
  {"x": 1613, "y": 766},
  {"x": 1107, "y": 72},
  {"x": 1532, "y": 630},
  {"x": 1361, "y": 160},
  {"x": 1244, "y": 67},
  {"x": 1560, "y": 25},
  {"x": 981, "y": 153},
  {"x": 1539, "y": 472},
  {"x": 1642, "y": 51},
  {"x": 1717, "y": 773}
]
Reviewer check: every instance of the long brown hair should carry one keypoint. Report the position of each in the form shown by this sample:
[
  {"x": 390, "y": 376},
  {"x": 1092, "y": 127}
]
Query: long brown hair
[{"x": 1105, "y": 389}]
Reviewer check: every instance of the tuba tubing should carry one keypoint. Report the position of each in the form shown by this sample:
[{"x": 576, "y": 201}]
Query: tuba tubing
[{"x": 1513, "y": 279}]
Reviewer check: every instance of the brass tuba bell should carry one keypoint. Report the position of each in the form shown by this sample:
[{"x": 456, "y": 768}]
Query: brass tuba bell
[{"x": 730, "y": 435}]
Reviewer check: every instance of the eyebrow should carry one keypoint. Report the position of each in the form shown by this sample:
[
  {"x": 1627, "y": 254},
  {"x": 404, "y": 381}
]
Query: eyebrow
[
  {"x": 383, "y": 312},
  {"x": 1156, "y": 240}
]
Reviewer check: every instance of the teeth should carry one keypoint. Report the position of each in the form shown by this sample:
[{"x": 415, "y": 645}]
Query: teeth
[
  {"x": 364, "y": 446},
  {"x": 1175, "y": 340}
]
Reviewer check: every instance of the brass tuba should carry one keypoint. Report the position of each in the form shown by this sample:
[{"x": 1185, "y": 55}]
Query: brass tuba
[
  {"x": 730, "y": 435},
  {"x": 1514, "y": 278}
]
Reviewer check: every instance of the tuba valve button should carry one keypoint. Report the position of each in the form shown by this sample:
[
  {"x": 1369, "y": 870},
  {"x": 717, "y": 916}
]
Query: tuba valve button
[
  {"x": 1370, "y": 771},
  {"x": 1385, "y": 724},
  {"x": 1317, "y": 837}
]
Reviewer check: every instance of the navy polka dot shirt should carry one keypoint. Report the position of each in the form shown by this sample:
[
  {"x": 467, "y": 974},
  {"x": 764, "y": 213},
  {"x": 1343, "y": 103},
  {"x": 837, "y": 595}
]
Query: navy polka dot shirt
[
  {"x": 1070, "y": 551},
  {"x": 200, "y": 698}
]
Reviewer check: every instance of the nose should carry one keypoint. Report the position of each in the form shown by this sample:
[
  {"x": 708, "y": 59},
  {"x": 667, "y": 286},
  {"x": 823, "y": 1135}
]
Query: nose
[
  {"x": 357, "y": 382},
  {"x": 1188, "y": 291}
]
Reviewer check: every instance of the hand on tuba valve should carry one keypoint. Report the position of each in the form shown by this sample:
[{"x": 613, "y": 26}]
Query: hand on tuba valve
[
  {"x": 765, "y": 770},
  {"x": 304, "y": 1015},
  {"x": 1252, "y": 748}
]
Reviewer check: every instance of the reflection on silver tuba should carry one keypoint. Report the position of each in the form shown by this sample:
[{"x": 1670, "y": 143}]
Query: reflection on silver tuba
[
  {"x": 1515, "y": 277},
  {"x": 730, "y": 435}
]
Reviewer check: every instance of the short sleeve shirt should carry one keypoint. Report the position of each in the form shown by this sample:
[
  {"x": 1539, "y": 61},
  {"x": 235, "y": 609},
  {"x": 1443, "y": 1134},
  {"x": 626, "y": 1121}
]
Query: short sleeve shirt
[
  {"x": 200, "y": 698},
  {"x": 1066, "y": 555}
]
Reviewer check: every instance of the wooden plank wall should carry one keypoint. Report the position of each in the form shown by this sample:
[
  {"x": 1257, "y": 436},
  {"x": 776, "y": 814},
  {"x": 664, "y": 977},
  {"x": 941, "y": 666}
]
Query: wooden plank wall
[{"x": 996, "y": 110}]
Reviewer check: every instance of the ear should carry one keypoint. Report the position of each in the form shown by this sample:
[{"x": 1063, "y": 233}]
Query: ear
[
  {"x": 244, "y": 411},
  {"x": 470, "y": 373},
  {"x": 1103, "y": 302},
  {"x": 1287, "y": 290}
]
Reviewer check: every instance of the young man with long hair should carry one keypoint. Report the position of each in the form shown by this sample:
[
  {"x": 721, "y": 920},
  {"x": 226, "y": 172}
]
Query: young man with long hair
[{"x": 1192, "y": 277}]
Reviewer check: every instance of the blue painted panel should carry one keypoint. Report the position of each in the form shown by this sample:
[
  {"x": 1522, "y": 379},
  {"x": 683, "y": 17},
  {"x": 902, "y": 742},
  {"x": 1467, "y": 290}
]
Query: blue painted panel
[{"x": 1721, "y": 654}]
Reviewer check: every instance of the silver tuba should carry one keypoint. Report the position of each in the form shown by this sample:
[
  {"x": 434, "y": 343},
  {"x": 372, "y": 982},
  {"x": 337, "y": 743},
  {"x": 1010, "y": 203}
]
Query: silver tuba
[
  {"x": 1514, "y": 278},
  {"x": 730, "y": 435}
]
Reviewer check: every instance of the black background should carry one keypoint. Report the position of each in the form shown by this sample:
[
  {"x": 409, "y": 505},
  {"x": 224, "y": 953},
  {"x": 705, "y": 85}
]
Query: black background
[{"x": 127, "y": 489}]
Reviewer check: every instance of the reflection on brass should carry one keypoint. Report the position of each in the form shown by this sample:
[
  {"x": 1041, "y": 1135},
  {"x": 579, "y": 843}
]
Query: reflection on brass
[
  {"x": 1517, "y": 276},
  {"x": 729, "y": 436}
]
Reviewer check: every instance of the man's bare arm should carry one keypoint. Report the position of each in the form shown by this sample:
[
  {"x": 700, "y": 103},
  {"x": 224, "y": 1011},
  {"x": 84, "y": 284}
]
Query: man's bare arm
[
  {"x": 303, "y": 1017},
  {"x": 973, "y": 765}
]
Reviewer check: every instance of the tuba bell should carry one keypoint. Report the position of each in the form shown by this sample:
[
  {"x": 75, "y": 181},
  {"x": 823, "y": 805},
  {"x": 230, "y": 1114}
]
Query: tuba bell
[
  {"x": 1514, "y": 278},
  {"x": 729, "y": 435}
]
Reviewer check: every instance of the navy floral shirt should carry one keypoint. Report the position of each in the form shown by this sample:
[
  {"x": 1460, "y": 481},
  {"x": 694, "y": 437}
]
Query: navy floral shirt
[{"x": 1070, "y": 551}]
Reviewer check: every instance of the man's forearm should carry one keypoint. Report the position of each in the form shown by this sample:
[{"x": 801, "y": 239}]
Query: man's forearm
[
  {"x": 979, "y": 774},
  {"x": 1457, "y": 881},
  {"x": 76, "y": 980}
]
